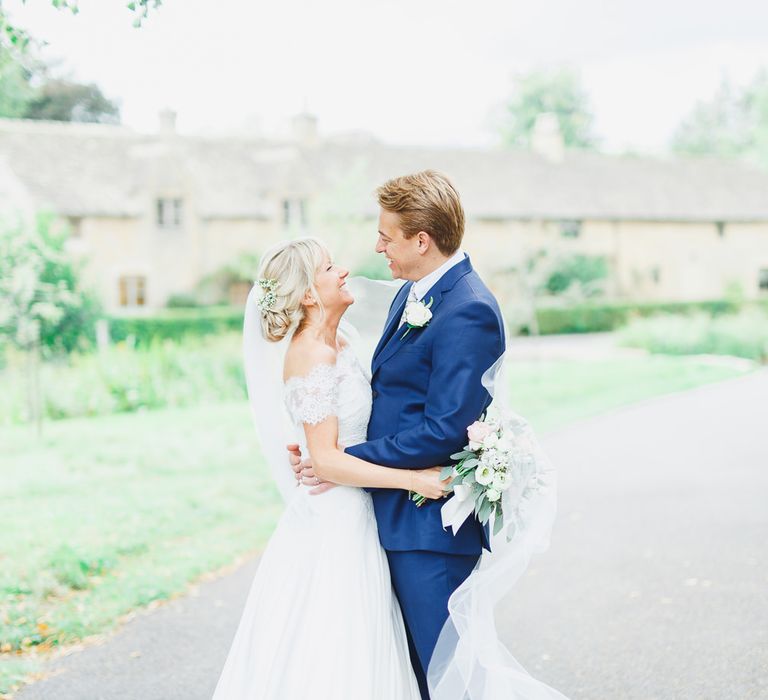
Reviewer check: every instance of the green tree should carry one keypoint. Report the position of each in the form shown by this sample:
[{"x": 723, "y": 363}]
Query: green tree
[
  {"x": 29, "y": 91},
  {"x": 13, "y": 37},
  {"x": 43, "y": 308},
  {"x": 66, "y": 101},
  {"x": 733, "y": 124},
  {"x": 549, "y": 91},
  {"x": 16, "y": 91}
]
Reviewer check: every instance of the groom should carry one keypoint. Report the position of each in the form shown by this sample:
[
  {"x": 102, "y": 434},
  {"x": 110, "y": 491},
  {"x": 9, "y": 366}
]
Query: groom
[{"x": 426, "y": 382}]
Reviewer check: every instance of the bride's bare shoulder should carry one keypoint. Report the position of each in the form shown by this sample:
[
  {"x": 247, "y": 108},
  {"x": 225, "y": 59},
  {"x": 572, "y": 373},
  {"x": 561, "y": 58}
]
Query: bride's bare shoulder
[{"x": 303, "y": 354}]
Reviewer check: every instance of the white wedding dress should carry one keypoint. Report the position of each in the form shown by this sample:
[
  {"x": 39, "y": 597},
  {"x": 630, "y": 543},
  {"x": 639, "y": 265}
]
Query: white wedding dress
[{"x": 321, "y": 621}]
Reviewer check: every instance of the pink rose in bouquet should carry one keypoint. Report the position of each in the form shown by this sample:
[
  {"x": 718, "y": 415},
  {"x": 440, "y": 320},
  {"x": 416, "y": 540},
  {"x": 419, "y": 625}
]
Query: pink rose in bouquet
[{"x": 478, "y": 431}]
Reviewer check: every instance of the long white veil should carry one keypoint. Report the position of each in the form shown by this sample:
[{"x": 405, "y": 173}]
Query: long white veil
[
  {"x": 470, "y": 661},
  {"x": 263, "y": 364}
]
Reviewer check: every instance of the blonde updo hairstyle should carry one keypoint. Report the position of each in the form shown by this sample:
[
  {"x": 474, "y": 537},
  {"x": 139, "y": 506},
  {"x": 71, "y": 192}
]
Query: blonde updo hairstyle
[{"x": 293, "y": 264}]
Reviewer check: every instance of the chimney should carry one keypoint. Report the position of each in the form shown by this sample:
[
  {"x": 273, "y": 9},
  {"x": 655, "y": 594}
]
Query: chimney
[
  {"x": 167, "y": 121},
  {"x": 305, "y": 129},
  {"x": 547, "y": 139}
]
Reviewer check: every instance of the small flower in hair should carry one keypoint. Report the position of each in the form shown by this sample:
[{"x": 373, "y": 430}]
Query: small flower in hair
[
  {"x": 268, "y": 285},
  {"x": 268, "y": 298}
]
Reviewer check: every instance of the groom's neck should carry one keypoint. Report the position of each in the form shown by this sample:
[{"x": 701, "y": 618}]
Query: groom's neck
[{"x": 428, "y": 266}]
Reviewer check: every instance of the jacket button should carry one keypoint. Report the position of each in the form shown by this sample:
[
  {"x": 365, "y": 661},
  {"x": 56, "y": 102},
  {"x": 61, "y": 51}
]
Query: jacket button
[{"x": 374, "y": 394}]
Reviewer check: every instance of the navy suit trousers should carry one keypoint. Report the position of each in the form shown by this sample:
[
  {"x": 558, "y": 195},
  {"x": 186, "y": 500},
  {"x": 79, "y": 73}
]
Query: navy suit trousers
[{"x": 423, "y": 582}]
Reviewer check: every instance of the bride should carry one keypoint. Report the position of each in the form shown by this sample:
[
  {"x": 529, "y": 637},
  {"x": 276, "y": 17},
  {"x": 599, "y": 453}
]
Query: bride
[{"x": 321, "y": 620}]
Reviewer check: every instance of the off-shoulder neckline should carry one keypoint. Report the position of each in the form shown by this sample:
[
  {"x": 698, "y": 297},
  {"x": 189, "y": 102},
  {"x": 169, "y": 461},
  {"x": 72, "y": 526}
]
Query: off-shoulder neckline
[{"x": 318, "y": 366}]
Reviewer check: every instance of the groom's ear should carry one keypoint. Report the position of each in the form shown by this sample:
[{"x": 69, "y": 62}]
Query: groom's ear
[{"x": 425, "y": 242}]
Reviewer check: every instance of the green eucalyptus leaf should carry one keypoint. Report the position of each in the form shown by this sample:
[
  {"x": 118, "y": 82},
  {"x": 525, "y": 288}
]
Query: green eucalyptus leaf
[{"x": 485, "y": 512}]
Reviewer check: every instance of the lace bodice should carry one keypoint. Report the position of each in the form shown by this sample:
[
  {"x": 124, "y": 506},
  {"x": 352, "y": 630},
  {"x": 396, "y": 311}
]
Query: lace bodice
[{"x": 341, "y": 390}]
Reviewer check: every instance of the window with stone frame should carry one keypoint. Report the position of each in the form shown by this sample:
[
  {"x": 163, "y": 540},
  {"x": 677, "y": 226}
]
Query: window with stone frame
[
  {"x": 168, "y": 212},
  {"x": 570, "y": 228},
  {"x": 294, "y": 213},
  {"x": 132, "y": 290}
]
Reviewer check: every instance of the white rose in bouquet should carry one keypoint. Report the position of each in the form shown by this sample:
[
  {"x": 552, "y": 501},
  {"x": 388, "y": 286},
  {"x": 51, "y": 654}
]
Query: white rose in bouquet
[
  {"x": 502, "y": 480},
  {"x": 492, "y": 495},
  {"x": 484, "y": 474}
]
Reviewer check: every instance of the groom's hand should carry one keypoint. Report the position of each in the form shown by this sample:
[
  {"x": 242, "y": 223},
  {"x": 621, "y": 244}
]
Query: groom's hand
[
  {"x": 294, "y": 457},
  {"x": 304, "y": 473}
]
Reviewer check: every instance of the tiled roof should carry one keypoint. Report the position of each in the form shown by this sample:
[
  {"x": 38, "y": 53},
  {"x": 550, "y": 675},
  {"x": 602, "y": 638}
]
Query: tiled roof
[{"x": 95, "y": 169}]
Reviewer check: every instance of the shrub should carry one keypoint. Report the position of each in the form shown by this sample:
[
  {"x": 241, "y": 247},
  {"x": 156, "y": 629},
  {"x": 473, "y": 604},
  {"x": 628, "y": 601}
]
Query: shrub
[
  {"x": 215, "y": 288},
  {"x": 374, "y": 267},
  {"x": 182, "y": 301},
  {"x": 122, "y": 379},
  {"x": 591, "y": 317},
  {"x": 587, "y": 272},
  {"x": 741, "y": 335}
]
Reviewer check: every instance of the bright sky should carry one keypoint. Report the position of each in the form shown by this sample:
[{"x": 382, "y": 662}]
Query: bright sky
[{"x": 409, "y": 71}]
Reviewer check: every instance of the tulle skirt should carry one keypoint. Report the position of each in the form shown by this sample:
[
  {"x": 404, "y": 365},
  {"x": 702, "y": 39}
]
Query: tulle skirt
[{"x": 321, "y": 620}]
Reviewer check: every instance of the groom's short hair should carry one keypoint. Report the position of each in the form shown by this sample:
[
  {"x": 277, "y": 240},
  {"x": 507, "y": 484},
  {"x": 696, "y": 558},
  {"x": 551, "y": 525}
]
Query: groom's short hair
[{"x": 426, "y": 201}]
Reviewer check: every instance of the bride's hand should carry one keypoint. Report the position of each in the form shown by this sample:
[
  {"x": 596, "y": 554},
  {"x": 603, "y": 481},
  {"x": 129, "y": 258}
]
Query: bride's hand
[{"x": 427, "y": 482}]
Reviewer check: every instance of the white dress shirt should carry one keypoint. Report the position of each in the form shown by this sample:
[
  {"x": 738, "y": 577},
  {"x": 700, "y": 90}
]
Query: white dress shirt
[{"x": 422, "y": 286}]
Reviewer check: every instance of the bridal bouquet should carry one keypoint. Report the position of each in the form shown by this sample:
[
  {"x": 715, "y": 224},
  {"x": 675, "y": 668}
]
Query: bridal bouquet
[{"x": 497, "y": 471}]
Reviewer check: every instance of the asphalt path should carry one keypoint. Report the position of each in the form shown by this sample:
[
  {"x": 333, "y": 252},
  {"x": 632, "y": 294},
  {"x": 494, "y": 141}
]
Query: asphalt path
[{"x": 655, "y": 586}]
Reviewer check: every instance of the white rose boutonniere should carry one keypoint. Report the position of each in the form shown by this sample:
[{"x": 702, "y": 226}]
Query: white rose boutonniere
[{"x": 417, "y": 315}]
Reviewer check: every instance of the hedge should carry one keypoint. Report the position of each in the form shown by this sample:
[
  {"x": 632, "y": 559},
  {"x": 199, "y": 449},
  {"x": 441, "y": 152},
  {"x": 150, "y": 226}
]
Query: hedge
[
  {"x": 176, "y": 323},
  {"x": 593, "y": 317},
  {"x": 581, "y": 318}
]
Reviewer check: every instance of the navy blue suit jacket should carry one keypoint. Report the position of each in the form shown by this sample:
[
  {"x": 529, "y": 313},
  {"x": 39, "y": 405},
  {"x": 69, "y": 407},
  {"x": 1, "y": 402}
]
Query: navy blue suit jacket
[{"x": 426, "y": 391}]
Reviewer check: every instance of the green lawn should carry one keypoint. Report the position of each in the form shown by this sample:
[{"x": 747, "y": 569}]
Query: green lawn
[{"x": 107, "y": 514}]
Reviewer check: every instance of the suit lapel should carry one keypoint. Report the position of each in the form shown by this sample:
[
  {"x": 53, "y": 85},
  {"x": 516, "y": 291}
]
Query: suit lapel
[
  {"x": 398, "y": 305},
  {"x": 391, "y": 341}
]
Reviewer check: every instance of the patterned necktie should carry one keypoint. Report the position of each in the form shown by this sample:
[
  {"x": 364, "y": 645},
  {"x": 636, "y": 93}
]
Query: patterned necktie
[{"x": 411, "y": 297}]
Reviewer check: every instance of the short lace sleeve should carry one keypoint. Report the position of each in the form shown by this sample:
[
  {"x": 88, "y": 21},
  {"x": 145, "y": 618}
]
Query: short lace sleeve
[{"x": 313, "y": 397}]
